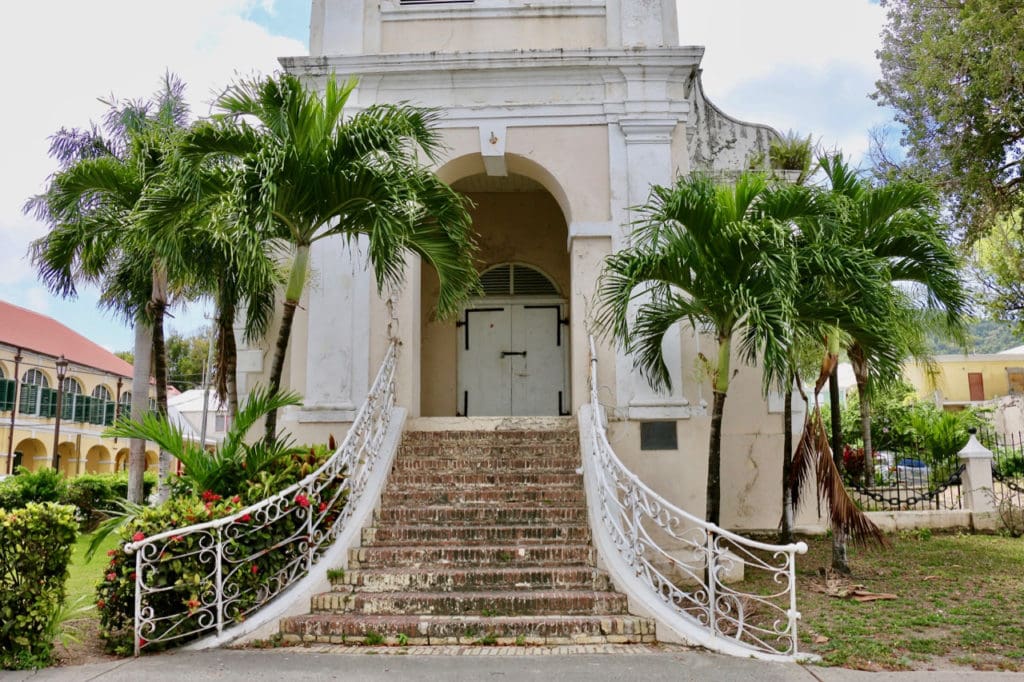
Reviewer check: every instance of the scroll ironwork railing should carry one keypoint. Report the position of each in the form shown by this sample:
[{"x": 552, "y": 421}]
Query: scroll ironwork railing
[
  {"x": 245, "y": 560},
  {"x": 689, "y": 564}
]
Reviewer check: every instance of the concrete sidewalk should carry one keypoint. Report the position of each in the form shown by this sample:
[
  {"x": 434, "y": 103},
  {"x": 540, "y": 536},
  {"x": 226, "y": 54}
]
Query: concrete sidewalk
[{"x": 650, "y": 664}]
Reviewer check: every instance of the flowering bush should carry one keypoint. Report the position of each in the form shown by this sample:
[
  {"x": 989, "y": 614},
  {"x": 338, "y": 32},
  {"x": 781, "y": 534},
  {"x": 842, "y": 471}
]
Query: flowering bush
[{"x": 260, "y": 551}]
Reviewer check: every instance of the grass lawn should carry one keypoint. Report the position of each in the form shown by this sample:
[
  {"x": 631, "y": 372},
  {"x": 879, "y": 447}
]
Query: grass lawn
[
  {"x": 960, "y": 603},
  {"x": 82, "y": 577}
]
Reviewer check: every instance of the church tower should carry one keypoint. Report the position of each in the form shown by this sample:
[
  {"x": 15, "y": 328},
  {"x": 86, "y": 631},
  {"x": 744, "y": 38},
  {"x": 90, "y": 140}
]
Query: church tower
[{"x": 558, "y": 115}]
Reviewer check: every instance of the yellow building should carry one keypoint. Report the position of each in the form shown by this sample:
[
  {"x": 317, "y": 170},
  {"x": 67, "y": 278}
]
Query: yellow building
[
  {"x": 96, "y": 388},
  {"x": 960, "y": 380}
]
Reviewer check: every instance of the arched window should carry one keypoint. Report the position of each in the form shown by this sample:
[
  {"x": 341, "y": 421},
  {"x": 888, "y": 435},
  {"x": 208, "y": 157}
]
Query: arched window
[
  {"x": 515, "y": 279},
  {"x": 71, "y": 404},
  {"x": 102, "y": 410},
  {"x": 35, "y": 394},
  {"x": 126, "y": 399}
]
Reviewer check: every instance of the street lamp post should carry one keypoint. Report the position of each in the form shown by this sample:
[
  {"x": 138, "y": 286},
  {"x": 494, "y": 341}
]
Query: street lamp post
[
  {"x": 62, "y": 371},
  {"x": 14, "y": 410}
]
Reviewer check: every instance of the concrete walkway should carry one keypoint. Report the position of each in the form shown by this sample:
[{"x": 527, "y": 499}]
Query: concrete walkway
[{"x": 561, "y": 664}]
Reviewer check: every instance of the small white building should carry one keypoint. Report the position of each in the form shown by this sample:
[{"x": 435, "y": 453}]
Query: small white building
[
  {"x": 559, "y": 115},
  {"x": 186, "y": 409}
]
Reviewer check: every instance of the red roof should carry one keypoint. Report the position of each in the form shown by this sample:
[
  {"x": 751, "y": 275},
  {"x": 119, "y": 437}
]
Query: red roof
[{"x": 34, "y": 332}]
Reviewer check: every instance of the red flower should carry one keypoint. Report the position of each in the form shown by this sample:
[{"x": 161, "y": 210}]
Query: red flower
[
  {"x": 111, "y": 552},
  {"x": 100, "y": 604},
  {"x": 245, "y": 518},
  {"x": 139, "y": 536},
  {"x": 131, "y": 576},
  {"x": 177, "y": 538},
  {"x": 210, "y": 496},
  {"x": 236, "y": 499},
  {"x": 302, "y": 500},
  {"x": 323, "y": 507},
  {"x": 111, "y": 576},
  {"x": 142, "y": 642},
  {"x": 192, "y": 604},
  {"x": 255, "y": 569}
]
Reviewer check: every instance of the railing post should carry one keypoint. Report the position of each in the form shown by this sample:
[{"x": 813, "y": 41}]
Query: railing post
[
  {"x": 138, "y": 601},
  {"x": 977, "y": 477},
  {"x": 219, "y": 580},
  {"x": 712, "y": 570},
  {"x": 309, "y": 535}
]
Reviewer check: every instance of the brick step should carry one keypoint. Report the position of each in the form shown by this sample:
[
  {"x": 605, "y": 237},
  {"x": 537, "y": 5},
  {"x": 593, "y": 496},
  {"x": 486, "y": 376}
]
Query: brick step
[
  {"x": 484, "y": 449},
  {"x": 406, "y": 480},
  {"x": 446, "y": 579},
  {"x": 475, "y": 535},
  {"x": 486, "y": 463},
  {"x": 489, "y": 603},
  {"x": 380, "y": 556},
  {"x": 505, "y": 630},
  {"x": 449, "y": 515},
  {"x": 555, "y": 496},
  {"x": 502, "y": 437}
]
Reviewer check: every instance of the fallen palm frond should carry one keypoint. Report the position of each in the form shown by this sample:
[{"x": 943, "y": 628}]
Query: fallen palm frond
[{"x": 814, "y": 453}]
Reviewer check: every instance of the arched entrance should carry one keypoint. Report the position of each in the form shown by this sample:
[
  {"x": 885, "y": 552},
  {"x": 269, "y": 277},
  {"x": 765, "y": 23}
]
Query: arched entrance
[
  {"x": 33, "y": 454},
  {"x": 97, "y": 460},
  {"x": 508, "y": 352},
  {"x": 67, "y": 462},
  {"x": 121, "y": 460}
]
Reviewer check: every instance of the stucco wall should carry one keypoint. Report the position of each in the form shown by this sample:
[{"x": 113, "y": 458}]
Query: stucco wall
[
  {"x": 951, "y": 379},
  {"x": 531, "y": 33},
  {"x": 522, "y": 227}
]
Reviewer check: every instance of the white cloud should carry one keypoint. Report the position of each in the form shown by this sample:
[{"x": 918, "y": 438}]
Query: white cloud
[
  {"x": 808, "y": 65},
  {"x": 59, "y": 57}
]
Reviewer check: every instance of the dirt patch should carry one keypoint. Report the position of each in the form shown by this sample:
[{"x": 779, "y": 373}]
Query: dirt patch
[{"x": 80, "y": 644}]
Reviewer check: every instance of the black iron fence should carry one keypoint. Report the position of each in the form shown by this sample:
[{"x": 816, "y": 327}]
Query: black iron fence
[
  {"x": 905, "y": 478},
  {"x": 1007, "y": 464}
]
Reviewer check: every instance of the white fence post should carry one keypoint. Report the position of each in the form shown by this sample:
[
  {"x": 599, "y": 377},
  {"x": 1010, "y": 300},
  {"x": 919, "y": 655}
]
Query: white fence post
[{"x": 977, "y": 477}]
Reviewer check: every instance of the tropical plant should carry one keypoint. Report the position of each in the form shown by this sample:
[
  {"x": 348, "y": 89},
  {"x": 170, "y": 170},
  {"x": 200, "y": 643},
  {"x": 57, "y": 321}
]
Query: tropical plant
[
  {"x": 306, "y": 173},
  {"x": 234, "y": 461},
  {"x": 93, "y": 206},
  {"x": 898, "y": 224},
  {"x": 718, "y": 257}
]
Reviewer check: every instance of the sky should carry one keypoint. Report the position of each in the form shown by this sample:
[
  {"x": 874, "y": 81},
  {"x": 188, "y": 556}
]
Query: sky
[{"x": 805, "y": 65}]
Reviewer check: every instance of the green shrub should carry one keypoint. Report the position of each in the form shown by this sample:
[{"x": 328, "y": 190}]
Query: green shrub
[
  {"x": 91, "y": 495},
  {"x": 35, "y": 548}
]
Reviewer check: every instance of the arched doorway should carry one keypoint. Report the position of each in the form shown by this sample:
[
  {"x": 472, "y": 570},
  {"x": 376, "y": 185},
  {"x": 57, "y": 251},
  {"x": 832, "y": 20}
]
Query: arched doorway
[
  {"x": 67, "y": 462},
  {"x": 97, "y": 460},
  {"x": 121, "y": 460},
  {"x": 517, "y": 358},
  {"x": 33, "y": 454}
]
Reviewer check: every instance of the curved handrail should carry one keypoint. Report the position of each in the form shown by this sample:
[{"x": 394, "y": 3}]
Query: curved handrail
[
  {"x": 679, "y": 563},
  {"x": 312, "y": 511}
]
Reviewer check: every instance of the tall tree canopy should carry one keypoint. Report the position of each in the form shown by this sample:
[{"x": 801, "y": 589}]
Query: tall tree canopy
[{"x": 954, "y": 73}]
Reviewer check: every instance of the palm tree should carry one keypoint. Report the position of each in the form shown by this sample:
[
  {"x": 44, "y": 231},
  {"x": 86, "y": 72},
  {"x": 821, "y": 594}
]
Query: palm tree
[
  {"x": 899, "y": 224},
  {"x": 221, "y": 259},
  {"x": 718, "y": 257},
  {"x": 96, "y": 235},
  {"x": 306, "y": 173}
]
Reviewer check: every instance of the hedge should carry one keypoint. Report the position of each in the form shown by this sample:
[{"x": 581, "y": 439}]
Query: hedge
[
  {"x": 35, "y": 548},
  {"x": 90, "y": 494}
]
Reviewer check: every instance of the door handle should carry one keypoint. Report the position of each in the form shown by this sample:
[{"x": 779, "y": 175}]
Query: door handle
[{"x": 506, "y": 353}]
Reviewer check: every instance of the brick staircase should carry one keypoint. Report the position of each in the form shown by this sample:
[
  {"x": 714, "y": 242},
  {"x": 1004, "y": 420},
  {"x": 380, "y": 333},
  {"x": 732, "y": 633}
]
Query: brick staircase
[{"x": 481, "y": 538}]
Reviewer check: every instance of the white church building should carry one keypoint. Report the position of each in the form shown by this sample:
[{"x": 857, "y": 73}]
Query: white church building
[{"x": 558, "y": 115}]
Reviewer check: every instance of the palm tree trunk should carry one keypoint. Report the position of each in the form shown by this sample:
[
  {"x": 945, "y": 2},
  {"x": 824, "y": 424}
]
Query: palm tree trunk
[
  {"x": 860, "y": 371},
  {"x": 158, "y": 307},
  {"x": 296, "y": 282},
  {"x": 714, "y": 486},
  {"x": 786, "y": 532},
  {"x": 227, "y": 355},
  {"x": 839, "y": 558},
  {"x": 140, "y": 404}
]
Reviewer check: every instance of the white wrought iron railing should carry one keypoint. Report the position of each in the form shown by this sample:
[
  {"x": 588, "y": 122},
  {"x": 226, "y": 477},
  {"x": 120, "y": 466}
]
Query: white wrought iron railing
[
  {"x": 248, "y": 558},
  {"x": 679, "y": 564}
]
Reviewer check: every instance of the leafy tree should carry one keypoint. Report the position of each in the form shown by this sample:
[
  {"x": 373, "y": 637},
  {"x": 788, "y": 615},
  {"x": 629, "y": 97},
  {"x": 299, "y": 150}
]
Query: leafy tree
[
  {"x": 97, "y": 234},
  {"x": 186, "y": 359},
  {"x": 717, "y": 257},
  {"x": 998, "y": 265},
  {"x": 306, "y": 173},
  {"x": 952, "y": 72}
]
